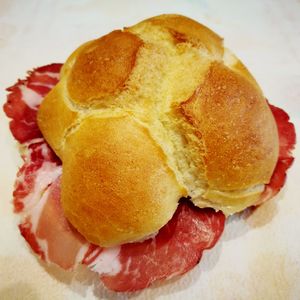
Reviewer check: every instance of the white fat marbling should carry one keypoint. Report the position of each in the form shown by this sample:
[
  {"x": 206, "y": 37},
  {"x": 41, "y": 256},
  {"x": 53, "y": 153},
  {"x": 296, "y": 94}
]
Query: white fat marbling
[
  {"x": 107, "y": 262},
  {"x": 30, "y": 97},
  {"x": 81, "y": 253},
  {"x": 50, "y": 74},
  {"x": 46, "y": 175}
]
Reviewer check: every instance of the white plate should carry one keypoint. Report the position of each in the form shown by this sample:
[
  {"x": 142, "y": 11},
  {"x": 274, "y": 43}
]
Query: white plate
[{"x": 257, "y": 258}]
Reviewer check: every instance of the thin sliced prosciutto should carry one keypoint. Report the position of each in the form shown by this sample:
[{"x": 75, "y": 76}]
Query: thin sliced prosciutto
[
  {"x": 174, "y": 250},
  {"x": 287, "y": 141},
  {"x": 37, "y": 201},
  {"x": 41, "y": 167},
  {"x": 36, "y": 196},
  {"x": 24, "y": 99}
]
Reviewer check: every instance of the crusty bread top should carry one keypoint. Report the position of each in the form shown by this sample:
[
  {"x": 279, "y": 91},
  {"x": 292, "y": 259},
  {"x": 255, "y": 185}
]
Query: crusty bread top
[
  {"x": 144, "y": 116},
  {"x": 102, "y": 67},
  {"x": 229, "y": 116}
]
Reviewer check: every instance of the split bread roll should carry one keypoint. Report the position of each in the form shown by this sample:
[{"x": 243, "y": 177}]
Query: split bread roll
[{"x": 146, "y": 115}]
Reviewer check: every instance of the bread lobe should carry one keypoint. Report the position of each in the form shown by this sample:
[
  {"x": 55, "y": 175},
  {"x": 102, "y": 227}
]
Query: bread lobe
[
  {"x": 184, "y": 29},
  {"x": 235, "y": 123},
  {"x": 102, "y": 67},
  {"x": 55, "y": 117},
  {"x": 116, "y": 186}
]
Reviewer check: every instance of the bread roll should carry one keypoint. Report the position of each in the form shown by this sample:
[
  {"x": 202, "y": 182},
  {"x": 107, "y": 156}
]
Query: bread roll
[{"x": 146, "y": 115}]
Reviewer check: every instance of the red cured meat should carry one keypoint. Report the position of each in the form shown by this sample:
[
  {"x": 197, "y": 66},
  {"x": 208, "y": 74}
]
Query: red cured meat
[
  {"x": 176, "y": 249},
  {"x": 63, "y": 241},
  {"x": 35, "y": 155},
  {"x": 43, "y": 224},
  {"x": 287, "y": 141},
  {"x": 26, "y": 231},
  {"x": 91, "y": 254},
  {"x": 44, "y": 228},
  {"x": 37, "y": 199},
  {"x": 52, "y": 68},
  {"x": 23, "y": 124}
]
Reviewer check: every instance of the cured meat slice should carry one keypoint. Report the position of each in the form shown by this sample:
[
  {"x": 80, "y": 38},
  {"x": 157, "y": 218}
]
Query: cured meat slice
[
  {"x": 24, "y": 99},
  {"x": 49, "y": 234},
  {"x": 62, "y": 244},
  {"x": 37, "y": 188},
  {"x": 176, "y": 249},
  {"x": 36, "y": 193},
  {"x": 37, "y": 200},
  {"x": 287, "y": 141},
  {"x": 39, "y": 170}
]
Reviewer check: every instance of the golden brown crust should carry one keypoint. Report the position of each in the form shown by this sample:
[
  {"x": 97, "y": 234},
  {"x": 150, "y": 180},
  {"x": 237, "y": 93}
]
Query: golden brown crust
[
  {"x": 116, "y": 186},
  {"x": 132, "y": 144},
  {"x": 102, "y": 67},
  {"x": 184, "y": 29},
  {"x": 237, "y": 127},
  {"x": 55, "y": 117}
]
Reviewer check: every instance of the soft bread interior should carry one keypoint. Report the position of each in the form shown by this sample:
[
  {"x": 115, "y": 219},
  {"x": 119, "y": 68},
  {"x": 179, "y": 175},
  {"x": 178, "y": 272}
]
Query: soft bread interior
[{"x": 193, "y": 119}]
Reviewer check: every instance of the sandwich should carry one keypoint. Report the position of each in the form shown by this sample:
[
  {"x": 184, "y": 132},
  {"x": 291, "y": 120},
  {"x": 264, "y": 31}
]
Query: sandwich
[{"x": 138, "y": 147}]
